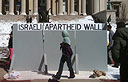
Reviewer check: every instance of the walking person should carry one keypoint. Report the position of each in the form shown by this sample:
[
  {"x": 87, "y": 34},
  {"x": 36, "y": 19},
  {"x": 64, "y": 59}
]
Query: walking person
[
  {"x": 109, "y": 47},
  {"x": 10, "y": 46},
  {"x": 66, "y": 56},
  {"x": 120, "y": 52}
]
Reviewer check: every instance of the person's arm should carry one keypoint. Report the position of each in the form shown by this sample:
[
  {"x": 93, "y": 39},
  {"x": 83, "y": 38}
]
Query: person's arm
[
  {"x": 110, "y": 39},
  {"x": 70, "y": 52},
  {"x": 61, "y": 45}
]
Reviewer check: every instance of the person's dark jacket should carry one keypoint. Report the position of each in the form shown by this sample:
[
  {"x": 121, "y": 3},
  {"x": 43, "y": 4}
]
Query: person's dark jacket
[
  {"x": 120, "y": 45},
  {"x": 111, "y": 33},
  {"x": 10, "y": 44},
  {"x": 66, "y": 49}
]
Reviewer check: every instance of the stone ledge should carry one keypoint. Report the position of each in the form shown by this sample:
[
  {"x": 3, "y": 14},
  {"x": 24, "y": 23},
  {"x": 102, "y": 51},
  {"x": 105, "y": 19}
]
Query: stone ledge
[
  {"x": 66, "y": 17},
  {"x": 12, "y": 18}
]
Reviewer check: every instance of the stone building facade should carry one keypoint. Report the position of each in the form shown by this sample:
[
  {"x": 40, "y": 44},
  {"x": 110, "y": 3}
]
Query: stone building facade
[{"x": 60, "y": 7}]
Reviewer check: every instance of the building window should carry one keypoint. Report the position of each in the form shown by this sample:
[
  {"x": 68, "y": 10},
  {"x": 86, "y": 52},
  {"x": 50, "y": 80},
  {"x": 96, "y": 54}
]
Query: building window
[
  {"x": 64, "y": 6},
  {"x": 116, "y": 6},
  {"x": 6, "y": 5},
  {"x": 18, "y": 7},
  {"x": 76, "y": 5},
  {"x": 43, "y": 1},
  {"x": 117, "y": 10}
]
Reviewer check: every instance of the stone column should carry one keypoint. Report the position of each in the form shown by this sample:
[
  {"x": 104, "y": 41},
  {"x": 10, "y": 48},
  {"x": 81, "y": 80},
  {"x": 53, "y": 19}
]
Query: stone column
[
  {"x": 79, "y": 9},
  {"x": 48, "y": 6},
  {"x": 102, "y": 5},
  {"x": 35, "y": 11},
  {"x": 96, "y": 6},
  {"x": 0, "y": 7},
  {"x": 23, "y": 7},
  {"x": 91, "y": 6},
  {"x": 54, "y": 7},
  {"x": 68, "y": 7},
  {"x": 72, "y": 8},
  {"x": 60, "y": 7},
  {"x": 83, "y": 4},
  {"x": 57, "y": 8},
  {"x": 11, "y": 7}
]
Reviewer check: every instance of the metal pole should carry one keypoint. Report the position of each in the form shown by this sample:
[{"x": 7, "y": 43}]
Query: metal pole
[
  {"x": 76, "y": 56},
  {"x": 77, "y": 65},
  {"x": 44, "y": 57},
  {"x": 12, "y": 63},
  {"x": 42, "y": 60},
  {"x": 45, "y": 63},
  {"x": 44, "y": 54}
]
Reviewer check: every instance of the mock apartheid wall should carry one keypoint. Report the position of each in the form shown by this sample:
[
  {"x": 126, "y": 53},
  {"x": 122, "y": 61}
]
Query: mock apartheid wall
[
  {"x": 28, "y": 49},
  {"x": 91, "y": 50}
]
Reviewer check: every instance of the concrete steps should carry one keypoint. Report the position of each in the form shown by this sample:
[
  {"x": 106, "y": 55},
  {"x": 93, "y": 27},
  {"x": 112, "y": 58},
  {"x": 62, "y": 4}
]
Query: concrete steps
[
  {"x": 66, "y": 17},
  {"x": 12, "y": 18}
]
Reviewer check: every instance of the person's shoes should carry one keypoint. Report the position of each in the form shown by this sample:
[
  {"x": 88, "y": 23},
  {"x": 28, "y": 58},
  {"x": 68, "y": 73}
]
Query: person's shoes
[
  {"x": 116, "y": 65},
  {"x": 53, "y": 80},
  {"x": 71, "y": 77},
  {"x": 55, "y": 77}
]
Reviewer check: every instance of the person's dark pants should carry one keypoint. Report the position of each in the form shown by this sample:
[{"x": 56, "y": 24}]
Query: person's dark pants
[
  {"x": 62, "y": 61},
  {"x": 123, "y": 73},
  {"x": 108, "y": 57},
  {"x": 116, "y": 61}
]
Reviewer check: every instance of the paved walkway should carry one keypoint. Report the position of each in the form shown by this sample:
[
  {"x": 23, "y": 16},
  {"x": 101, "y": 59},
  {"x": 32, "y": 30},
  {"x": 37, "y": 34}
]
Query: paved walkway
[
  {"x": 83, "y": 76},
  {"x": 2, "y": 73},
  {"x": 29, "y": 75}
]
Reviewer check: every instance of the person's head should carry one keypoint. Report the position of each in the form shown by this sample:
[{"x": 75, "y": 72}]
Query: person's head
[
  {"x": 65, "y": 36},
  {"x": 12, "y": 27},
  {"x": 11, "y": 34},
  {"x": 120, "y": 25},
  {"x": 109, "y": 27},
  {"x": 65, "y": 33}
]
